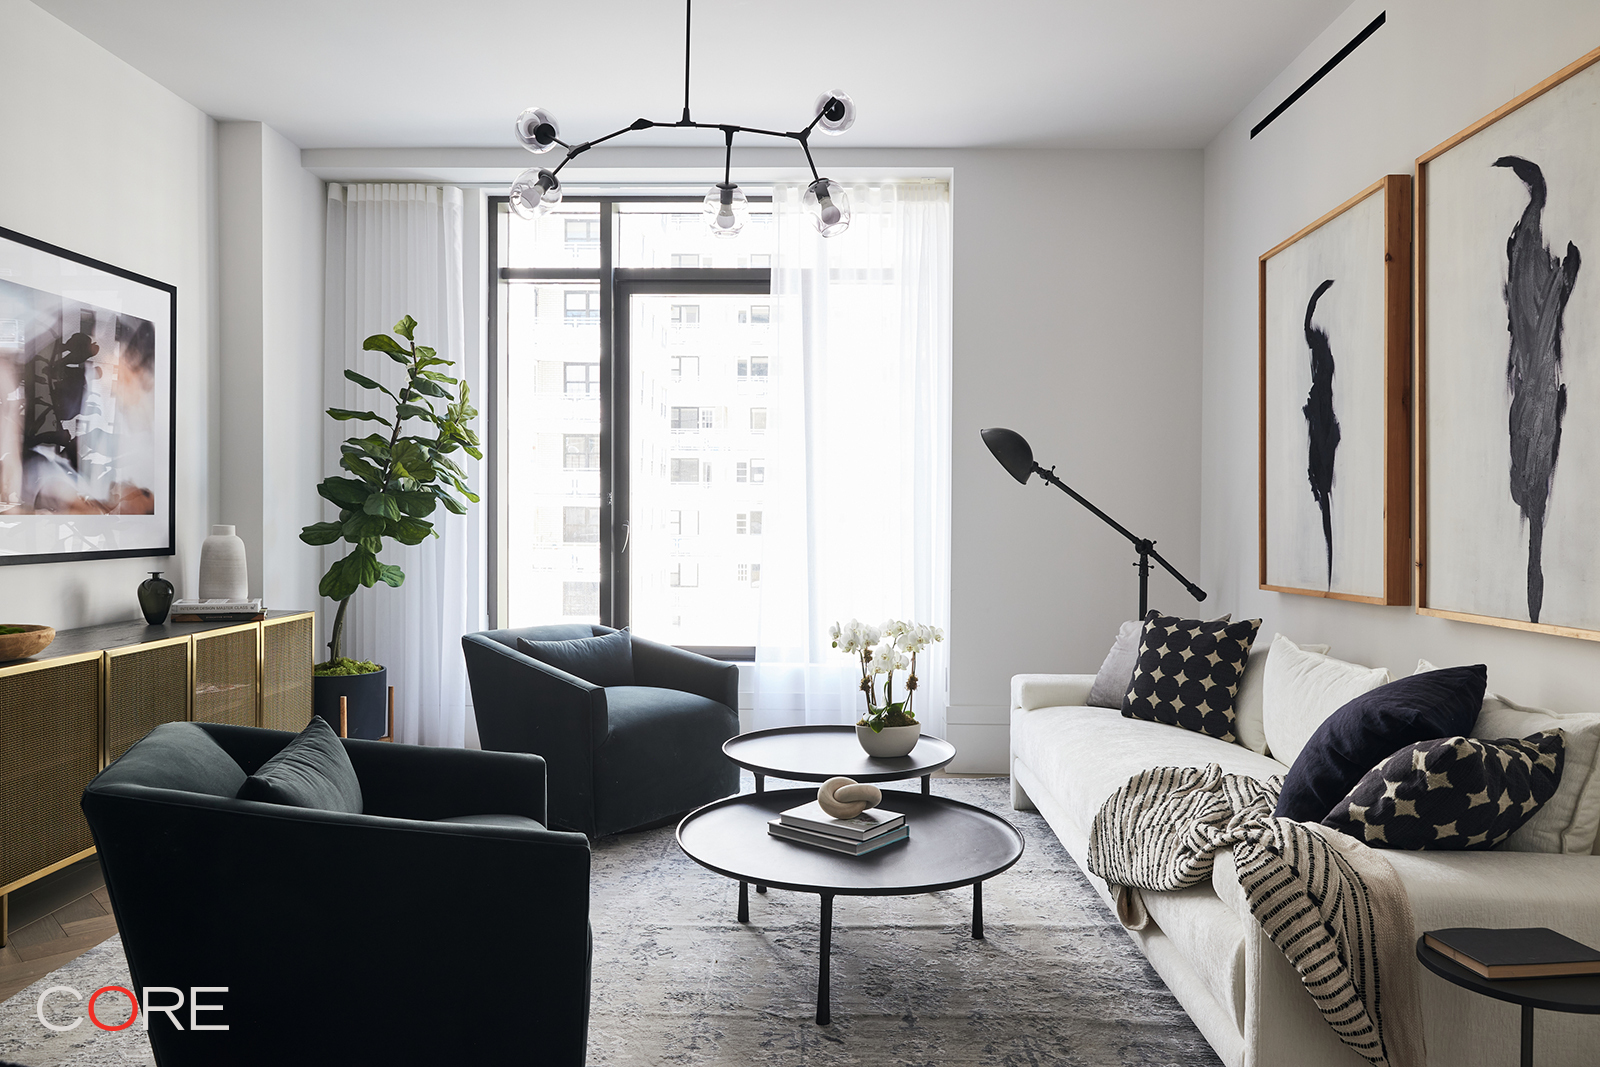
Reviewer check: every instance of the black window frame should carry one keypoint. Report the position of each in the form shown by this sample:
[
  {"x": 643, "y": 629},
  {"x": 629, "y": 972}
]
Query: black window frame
[{"x": 617, "y": 287}]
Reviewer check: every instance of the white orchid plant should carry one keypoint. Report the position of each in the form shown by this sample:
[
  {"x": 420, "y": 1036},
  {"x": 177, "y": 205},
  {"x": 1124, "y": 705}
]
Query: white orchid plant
[{"x": 885, "y": 649}]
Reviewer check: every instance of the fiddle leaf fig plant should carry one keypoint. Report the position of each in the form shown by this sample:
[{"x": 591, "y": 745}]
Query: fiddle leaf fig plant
[{"x": 393, "y": 479}]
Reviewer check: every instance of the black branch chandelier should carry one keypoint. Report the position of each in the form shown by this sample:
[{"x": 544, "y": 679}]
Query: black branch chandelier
[{"x": 726, "y": 208}]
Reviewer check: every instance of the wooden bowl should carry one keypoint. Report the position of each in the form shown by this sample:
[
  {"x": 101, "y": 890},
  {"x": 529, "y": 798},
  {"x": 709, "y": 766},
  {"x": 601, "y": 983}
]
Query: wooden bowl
[{"x": 30, "y": 642}]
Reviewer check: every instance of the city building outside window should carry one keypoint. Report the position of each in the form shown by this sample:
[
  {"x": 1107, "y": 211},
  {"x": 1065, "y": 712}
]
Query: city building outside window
[
  {"x": 580, "y": 525},
  {"x": 684, "y": 418},
  {"x": 680, "y": 260},
  {"x": 581, "y": 451},
  {"x": 582, "y": 233},
  {"x": 581, "y": 306},
  {"x": 753, "y": 369},
  {"x": 684, "y": 575},
  {"x": 685, "y": 314},
  {"x": 583, "y": 379},
  {"x": 758, "y": 420},
  {"x": 685, "y": 367},
  {"x": 685, "y": 471},
  {"x": 580, "y": 598}
]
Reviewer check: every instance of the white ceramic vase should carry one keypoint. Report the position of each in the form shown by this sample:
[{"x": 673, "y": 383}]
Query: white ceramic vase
[
  {"x": 889, "y": 742},
  {"x": 223, "y": 575}
]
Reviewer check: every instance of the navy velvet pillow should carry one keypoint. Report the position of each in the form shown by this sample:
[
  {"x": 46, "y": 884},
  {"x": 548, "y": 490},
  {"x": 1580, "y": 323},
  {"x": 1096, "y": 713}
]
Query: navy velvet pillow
[
  {"x": 606, "y": 660},
  {"x": 312, "y": 771},
  {"x": 1376, "y": 724}
]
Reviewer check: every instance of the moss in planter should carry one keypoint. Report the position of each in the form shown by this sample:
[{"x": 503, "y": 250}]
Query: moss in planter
[
  {"x": 4, "y": 630},
  {"x": 344, "y": 666}
]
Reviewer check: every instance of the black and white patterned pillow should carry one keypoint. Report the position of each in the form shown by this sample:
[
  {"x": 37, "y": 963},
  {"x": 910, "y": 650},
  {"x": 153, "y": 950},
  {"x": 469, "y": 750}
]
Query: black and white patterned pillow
[
  {"x": 1453, "y": 792},
  {"x": 1188, "y": 672}
]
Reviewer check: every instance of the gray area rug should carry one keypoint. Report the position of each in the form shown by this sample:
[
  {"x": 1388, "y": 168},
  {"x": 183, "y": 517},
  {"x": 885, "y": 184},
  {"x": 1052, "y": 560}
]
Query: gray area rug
[{"x": 677, "y": 981}]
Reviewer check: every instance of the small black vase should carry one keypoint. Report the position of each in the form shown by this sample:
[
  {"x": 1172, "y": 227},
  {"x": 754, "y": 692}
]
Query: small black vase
[{"x": 155, "y": 598}]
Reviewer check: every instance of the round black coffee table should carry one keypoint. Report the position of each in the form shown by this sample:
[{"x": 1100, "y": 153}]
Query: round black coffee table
[
  {"x": 817, "y": 753},
  {"x": 951, "y": 845},
  {"x": 1579, "y": 993}
]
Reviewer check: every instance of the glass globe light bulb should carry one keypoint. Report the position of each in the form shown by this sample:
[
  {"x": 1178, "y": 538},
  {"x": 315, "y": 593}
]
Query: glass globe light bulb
[
  {"x": 726, "y": 209},
  {"x": 535, "y": 192},
  {"x": 840, "y": 114},
  {"x": 828, "y": 205},
  {"x": 537, "y": 130}
]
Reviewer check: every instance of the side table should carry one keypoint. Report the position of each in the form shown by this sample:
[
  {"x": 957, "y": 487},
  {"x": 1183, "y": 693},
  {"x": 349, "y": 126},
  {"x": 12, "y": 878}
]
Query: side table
[{"x": 1572, "y": 993}]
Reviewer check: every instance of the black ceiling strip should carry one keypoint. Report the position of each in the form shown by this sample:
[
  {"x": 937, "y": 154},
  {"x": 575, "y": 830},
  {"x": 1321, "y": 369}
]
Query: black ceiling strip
[{"x": 1372, "y": 27}]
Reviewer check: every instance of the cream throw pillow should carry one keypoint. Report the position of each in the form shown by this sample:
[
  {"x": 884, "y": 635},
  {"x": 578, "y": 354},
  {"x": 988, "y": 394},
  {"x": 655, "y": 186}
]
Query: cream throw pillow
[
  {"x": 1248, "y": 729},
  {"x": 1299, "y": 689},
  {"x": 1568, "y": 821}
]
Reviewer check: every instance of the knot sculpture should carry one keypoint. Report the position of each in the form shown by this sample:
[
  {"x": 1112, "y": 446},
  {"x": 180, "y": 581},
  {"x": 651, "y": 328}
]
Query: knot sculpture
[{"x": 845, "y": 798}]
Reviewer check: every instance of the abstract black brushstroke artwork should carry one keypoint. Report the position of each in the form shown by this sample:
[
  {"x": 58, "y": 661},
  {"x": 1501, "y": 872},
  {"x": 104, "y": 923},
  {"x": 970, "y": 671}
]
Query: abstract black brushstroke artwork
[
  {"x": 1537, "y": 288},
  {"x": 1322, "y": 426}
]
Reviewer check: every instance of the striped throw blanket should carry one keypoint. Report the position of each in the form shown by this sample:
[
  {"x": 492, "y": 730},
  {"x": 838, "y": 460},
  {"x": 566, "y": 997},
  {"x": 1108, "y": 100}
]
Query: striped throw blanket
[{"x": 1332, "y": 905}]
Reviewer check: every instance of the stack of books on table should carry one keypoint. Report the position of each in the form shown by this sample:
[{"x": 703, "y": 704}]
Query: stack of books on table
[
  {"x": 810, "y": 825},
  {"x": 218, "y": 610}
]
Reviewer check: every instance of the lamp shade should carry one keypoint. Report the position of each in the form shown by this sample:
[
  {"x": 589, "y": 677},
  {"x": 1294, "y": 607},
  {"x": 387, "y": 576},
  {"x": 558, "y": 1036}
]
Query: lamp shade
[{"x": 1012, "y": 451}]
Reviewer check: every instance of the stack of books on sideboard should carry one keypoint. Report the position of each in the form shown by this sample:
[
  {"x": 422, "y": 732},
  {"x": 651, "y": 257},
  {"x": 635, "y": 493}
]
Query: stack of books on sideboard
[{"x": 810, "y": 825}]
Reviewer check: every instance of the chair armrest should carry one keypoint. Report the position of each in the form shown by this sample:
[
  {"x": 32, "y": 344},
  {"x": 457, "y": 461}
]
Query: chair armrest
[
  {"x": 523, "y": 705},
  {"x": 414, "y": 782},
  {"x": 666, "y": 667},
  {"x": 1031, "y": 691}
]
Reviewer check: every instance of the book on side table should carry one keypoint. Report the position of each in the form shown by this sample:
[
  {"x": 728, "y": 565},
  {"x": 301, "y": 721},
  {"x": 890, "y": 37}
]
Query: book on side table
[
  {"x": 810, "y": 825},
  {"x": 1538, "y": 952}
]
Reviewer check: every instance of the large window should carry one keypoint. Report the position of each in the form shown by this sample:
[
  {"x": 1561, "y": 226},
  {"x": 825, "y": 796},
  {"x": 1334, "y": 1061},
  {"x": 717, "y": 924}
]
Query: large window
[{"x": 632, "y": 363}]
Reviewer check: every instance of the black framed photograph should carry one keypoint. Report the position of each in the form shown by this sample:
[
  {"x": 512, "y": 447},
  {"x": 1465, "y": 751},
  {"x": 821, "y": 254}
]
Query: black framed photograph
[{"x": 88, "y": 362}]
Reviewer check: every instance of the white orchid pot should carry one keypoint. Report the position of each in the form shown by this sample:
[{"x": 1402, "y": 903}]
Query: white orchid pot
[{"x": 890, "y": 742}]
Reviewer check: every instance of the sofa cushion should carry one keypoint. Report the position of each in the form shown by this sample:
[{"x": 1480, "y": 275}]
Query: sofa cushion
[
  {"x": 1300, "y": 689},
  {"x": 1451, "y": 792},
  {"x": 1083, "y": 755},
  {"x": 1188, "y": 672},
  {"x": 177, "y": 755},
  {"x": 1248, "y": 728},
  {"x": 1569, "y": 820},
  {"x": 1210, "y": 936},
  {"x": 1373, "y": 726},
  {"x": 508, "y": 822},
  {"x": 606, "y": 660},
  {"x": 1116, "y": 671},
  {"x": 312, "y": 771}
]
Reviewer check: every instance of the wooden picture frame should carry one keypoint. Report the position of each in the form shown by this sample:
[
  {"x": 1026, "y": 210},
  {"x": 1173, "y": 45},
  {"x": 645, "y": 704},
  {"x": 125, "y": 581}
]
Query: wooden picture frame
[
  {"x": 1318, "y": 537},
  {"x": 1505, "y": 514},
  {"x": 88, "y": 407}
]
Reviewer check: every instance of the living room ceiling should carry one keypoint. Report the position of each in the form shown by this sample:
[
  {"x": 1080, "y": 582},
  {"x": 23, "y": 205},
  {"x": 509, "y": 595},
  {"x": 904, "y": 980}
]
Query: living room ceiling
[{"x": 933, "y": 73}]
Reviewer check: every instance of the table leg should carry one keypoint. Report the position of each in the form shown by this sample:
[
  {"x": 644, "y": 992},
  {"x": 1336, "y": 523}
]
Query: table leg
[
  {"x": 761, "y": 787},
  {"x": 977, "y": 910},
  {"x": 927, "y": 784},
  {"x": 824, "y": 1016},
  {"x": 1527, "y": 1035},
  {"x": 744, "y": 902}
]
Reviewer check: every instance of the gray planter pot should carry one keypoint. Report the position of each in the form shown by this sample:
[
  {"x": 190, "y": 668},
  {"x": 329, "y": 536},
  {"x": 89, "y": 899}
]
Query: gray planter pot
[{"x": 367, "y": 702}]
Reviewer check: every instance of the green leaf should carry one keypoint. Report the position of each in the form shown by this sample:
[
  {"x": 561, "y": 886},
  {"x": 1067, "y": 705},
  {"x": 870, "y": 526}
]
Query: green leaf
[
  {"x": 344, "y": 576},
  {"x": 435, "y": 376},
  {"x": 365, "y": 382},
  {"x": 422, "y": 385},
  {"x": 411, "y": 461},
  {"x": 345, "y": 415},
  {"x": 412, "y": 411},
  {"x": 374, "y": 445},
  {"x": 383, "y": 504},
  {"x": 411, "y": 531},
  {"x": 389, "y": 574},
  {"x": 417, "y": 503},
  {"x": 451, "y": 502},
  {"x": 406, "y": 327},
  {"x": 346, "y": 492},
  {"x": 322, "y": 533},
  {"x": 361, "y": 469},
  {"x": 382, "y": 342},
  {"x": 361, "y": 526},
  {"x": 371, "y": 571},
  {"x": 371, "y": 544}
]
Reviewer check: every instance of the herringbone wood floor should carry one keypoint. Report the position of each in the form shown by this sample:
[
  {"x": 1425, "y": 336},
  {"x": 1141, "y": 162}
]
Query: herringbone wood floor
[{"x": 54, "y": 921}]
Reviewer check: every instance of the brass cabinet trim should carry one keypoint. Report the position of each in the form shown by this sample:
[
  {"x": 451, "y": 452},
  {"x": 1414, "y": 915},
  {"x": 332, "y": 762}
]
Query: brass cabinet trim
[
  {"x": 29, "y": 879},
  {"x": 29, "y": 666}
]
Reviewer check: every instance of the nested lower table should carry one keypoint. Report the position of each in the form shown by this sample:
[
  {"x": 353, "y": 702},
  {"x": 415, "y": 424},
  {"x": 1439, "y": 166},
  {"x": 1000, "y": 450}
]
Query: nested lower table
[
  {"x": 1578, "y": 993},
  {"x": 951, "y": 845}
]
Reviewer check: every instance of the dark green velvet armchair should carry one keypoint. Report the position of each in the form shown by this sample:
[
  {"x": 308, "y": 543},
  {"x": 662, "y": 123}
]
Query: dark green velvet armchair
[{"x": 620, "y": 758}]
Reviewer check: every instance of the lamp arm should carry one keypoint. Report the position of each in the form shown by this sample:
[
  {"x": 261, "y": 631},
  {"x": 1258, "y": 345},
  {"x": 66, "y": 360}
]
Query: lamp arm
[{"x": 1143, "y": 545}]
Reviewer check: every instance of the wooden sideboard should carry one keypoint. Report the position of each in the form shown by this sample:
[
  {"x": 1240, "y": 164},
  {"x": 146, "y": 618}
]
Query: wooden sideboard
[{"x": 69, "y": 711}]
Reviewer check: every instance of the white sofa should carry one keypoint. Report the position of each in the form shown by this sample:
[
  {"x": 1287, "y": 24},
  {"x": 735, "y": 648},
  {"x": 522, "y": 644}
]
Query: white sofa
[{"x": 1066, "y": 759}]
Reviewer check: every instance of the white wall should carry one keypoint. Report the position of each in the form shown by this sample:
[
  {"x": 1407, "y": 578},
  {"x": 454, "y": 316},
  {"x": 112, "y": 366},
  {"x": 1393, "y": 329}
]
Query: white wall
[
  {"x": 1433, "y": 68},
  {"x": 101, "y": 160}
]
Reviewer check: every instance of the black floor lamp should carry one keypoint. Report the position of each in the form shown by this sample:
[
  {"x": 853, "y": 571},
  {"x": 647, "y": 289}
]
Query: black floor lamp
[{"x": 1016, "y": 457}]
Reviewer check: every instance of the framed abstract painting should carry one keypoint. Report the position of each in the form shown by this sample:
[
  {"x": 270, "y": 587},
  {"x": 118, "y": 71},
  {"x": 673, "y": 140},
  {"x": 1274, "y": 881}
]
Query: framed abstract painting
[
  {"x": 1508, "y": 363},
  {"x": 87, "y": 378},
  {"x": 1335, "y": 441}
]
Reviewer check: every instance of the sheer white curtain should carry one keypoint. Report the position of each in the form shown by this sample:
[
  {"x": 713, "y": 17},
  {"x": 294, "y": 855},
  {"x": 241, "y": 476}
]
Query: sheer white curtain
[
  {"x": 396, "y": 250},
  {"x": 859, "y": 479}
]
